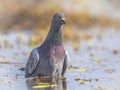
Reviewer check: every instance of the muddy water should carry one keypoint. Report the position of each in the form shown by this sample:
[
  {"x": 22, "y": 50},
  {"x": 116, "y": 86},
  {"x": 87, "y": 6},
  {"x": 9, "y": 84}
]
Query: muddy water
[{"x": 93, "y": 66}]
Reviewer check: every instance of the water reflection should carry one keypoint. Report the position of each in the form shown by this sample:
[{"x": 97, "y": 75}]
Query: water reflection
[{"x": 61, "y": 83}]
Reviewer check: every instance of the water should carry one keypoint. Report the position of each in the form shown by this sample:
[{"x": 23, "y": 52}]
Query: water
[{"x": 96, "y": 63}]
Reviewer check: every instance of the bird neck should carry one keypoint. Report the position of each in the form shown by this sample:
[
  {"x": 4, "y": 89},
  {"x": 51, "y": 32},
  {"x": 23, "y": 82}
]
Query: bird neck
[{"x": 55, "y": 35}]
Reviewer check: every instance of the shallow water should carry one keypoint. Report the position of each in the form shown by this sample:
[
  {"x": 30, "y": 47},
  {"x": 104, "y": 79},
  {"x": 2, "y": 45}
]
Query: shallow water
[{"x": 93, "y": 66}]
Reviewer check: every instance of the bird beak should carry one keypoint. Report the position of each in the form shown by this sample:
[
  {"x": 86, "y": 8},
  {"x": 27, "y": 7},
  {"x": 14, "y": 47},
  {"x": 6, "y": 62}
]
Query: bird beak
[{"x": 63, "y": 21}]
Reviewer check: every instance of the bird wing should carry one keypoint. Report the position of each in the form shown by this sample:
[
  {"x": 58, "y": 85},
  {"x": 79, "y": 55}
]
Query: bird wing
[
  {"x": 64, "y": 65},
  {"x": 67, "y": 59},
  {"x": 32, "y": 62}
]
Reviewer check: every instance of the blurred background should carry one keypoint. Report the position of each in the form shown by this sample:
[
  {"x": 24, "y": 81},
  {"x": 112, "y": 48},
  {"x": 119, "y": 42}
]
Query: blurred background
[
  {"x": 35, "y": 16},
  {"x": 91, "y": 36}
]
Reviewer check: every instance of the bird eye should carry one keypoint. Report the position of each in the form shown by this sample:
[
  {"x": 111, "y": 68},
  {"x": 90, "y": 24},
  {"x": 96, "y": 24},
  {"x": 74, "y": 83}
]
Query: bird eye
[{"x": 57, "y": 17}]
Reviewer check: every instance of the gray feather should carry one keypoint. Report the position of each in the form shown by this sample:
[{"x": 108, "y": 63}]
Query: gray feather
[
  {"x": 64, "y": 65},
  {"x": 50, "y": 58},
  {"x": 32, "y": 62}
]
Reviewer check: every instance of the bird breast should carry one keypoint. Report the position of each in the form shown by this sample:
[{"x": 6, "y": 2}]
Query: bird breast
[{"x": 58, "y": 52}]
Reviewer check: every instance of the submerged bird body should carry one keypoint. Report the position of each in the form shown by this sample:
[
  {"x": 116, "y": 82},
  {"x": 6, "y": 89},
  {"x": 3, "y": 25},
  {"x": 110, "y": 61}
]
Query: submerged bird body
[{"x": 50, "y": 58}]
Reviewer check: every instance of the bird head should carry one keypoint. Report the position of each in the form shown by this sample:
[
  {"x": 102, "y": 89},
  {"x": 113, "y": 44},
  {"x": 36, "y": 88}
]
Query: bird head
[
  {"x": 55, "y": 31},
  {"x": 58, "y": 19}
]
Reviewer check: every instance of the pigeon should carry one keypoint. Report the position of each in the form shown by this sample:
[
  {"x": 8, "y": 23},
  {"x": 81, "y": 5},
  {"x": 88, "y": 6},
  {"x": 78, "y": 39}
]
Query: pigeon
[{"x": 50, "y": 58}]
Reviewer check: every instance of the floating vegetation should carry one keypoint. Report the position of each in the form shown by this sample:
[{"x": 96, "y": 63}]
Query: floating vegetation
[
  {"x": 82, "y": 70},
  {"x": 98, "y": 60},
  {"x": 71, "y": 67},
  {"x": 115, "y": 51},
  {"x": 45, "y": 85},
  {"x": 4, "y": 61},
  {"x": 109, "y": 70},
  {"x": 91, "y": 54},
  {"x": 82, "y": 81},
  {"x": 98, "y": 87}
]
